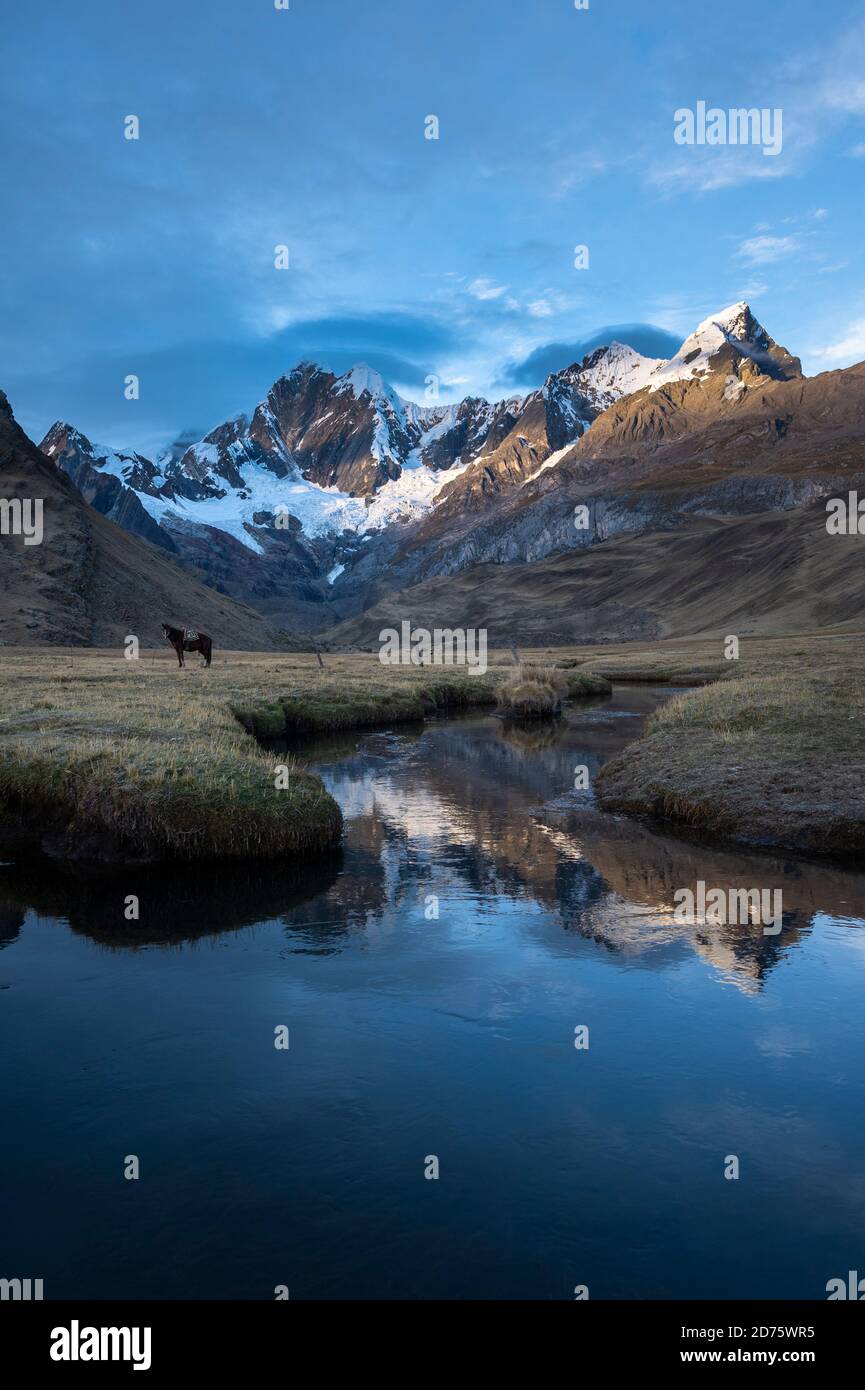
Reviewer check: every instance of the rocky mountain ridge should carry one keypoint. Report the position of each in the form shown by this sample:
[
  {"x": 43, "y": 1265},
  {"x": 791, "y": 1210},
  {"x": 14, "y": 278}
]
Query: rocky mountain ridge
[
  {"x": 337, "y": 494},
  {"x": 274, "y": 507}
]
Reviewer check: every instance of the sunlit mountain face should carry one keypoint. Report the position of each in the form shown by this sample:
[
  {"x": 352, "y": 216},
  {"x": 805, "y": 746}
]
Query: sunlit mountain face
[{"x": 336, "y": 490}]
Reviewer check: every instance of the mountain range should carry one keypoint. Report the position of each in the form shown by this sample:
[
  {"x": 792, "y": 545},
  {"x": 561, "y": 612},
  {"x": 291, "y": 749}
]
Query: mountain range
[
  {"x": 274, "y": 507},
  {"x": 336, "y": 504}
]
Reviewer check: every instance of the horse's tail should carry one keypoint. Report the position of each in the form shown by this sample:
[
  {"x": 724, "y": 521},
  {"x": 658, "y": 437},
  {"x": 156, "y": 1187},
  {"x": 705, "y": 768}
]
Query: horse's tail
[{"x": 208, "y": 653}]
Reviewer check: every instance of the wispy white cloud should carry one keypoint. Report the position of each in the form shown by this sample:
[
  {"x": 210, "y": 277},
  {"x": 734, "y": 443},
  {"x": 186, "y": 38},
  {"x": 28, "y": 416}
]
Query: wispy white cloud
[
  {"x": 708, "y": 170},
  {"x": 849, "y": 349},
  {"x": 756, "y": 290},
  {"x": 761, "y": 250},
  {"x": 844, "y": 92},
  {"x": 483, "y": 288}
]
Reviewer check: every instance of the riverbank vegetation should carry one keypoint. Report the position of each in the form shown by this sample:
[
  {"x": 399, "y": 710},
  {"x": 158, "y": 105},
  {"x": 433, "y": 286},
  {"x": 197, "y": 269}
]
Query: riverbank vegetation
[
  {"x": 108, "y": 758},
  {"x": 115, "y": 759},
  {"x": 120, "y": 759},
  {"x": 771, "y": 755},
  {"x": 531, "y": 692},
  {"x": 537, "y": 691}
]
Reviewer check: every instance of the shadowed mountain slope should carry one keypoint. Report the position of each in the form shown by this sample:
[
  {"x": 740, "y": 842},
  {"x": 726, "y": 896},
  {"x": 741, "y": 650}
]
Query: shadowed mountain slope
[
  {"x": 771, "y": 572},
  {"x": 89, "y": 582}
]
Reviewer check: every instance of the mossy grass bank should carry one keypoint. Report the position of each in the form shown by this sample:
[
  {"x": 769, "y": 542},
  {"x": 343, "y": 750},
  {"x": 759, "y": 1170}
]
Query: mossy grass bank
[
  {"x": 116, "y": 759},
  {"x": 347, "y": 695},
  {"x": 771, "y": 754},
  {"x": 109, "y": 758}
]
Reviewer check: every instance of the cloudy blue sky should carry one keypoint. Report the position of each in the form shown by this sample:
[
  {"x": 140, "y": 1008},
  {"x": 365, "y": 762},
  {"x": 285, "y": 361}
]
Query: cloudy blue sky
[{"x": 452, "y": 257}]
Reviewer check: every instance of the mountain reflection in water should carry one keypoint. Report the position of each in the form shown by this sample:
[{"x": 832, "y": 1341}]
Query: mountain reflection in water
[{"x": 432, "y": 975}]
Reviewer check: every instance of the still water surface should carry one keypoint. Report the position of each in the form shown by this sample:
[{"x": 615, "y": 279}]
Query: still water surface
[{"x": 414, "y": 1035}]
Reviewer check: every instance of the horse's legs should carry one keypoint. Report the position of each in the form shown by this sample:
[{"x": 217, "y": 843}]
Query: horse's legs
[{"x": 180, "y": 656}]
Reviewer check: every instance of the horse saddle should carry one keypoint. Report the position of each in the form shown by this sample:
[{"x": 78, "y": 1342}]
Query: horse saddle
[{"x": 189, "y": 634}]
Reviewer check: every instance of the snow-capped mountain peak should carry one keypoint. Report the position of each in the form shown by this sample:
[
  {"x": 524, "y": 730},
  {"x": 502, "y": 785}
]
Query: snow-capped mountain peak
[
  {"x": 347, "y": 455},
  {"x": 733, "y": 328},
  {"x": 574, "y": 397},
  {"x": 362, "y": 378}
]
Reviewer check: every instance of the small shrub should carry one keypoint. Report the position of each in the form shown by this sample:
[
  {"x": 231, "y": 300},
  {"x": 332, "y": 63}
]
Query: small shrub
[{"x": 531, "y": 692}]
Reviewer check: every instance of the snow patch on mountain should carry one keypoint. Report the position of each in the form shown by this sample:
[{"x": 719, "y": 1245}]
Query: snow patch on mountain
[
  {"x": 119, "y": 464},
  {"x": 409, "y": 496},
  {"x": 550, "y": 462},
  {"x": 134, "y": 470},
  {"x": 616, "y": 371},
  {"x": 320, "y": 510}
]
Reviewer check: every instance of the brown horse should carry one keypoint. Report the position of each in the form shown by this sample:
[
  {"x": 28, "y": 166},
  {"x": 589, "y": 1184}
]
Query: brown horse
[{"x": 185, "y": 639}]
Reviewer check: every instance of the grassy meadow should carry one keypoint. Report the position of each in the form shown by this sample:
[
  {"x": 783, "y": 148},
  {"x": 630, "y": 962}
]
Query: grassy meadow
[
  {"x": 116, "y": 758},
  {"x": 110, "y": 758},
  {"x": 771, "y": 754}
]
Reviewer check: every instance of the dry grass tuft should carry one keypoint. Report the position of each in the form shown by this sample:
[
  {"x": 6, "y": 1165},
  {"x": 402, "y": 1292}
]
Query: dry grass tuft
[{"x": 531, "y": 692}]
